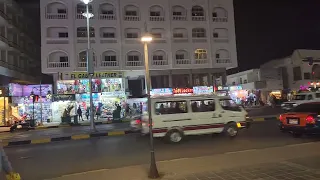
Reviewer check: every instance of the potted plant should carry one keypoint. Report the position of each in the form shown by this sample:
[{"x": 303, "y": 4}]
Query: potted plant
[{"x": 66, "y": 117}]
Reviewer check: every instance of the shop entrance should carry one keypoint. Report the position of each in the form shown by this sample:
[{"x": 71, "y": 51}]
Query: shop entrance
[{"x": 135, "y": 87}]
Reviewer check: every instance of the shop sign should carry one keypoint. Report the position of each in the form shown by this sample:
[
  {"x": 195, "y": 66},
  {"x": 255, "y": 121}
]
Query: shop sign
[
  {"x": 235, "y": 88},
  {"x": 182, "y": 91},
  {"x": 203, "y": 89},
  {"x": 97, "y": 75},
  {"x": 223, "y": 88},
  {"x": 161, "y": 92},
  {"x": 63, "y": 97}
]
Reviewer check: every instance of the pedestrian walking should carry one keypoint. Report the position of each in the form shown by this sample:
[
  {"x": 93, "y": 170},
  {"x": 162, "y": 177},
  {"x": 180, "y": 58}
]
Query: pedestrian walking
[
  {"x": 88, "y": 112},
  {"x": 79, "y": 112},
  {"x": 5, "y": 166}
]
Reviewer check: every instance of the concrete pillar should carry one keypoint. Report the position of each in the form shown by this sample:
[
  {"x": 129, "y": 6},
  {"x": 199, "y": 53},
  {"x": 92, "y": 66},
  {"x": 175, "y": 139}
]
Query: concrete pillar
[
  {"x": 224, "y": 78},
  {"x": 191, "y": 79},
  {"x": 170, "y": 79},
  {"x": 55, "y": 79},
  {"x": 210, "y": 83}
]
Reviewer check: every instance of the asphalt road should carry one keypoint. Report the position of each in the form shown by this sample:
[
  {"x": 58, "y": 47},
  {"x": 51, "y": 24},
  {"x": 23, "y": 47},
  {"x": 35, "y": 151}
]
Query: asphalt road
[
  {"x": 264, "y": 111},
  {"x": 36, "y": 162}
]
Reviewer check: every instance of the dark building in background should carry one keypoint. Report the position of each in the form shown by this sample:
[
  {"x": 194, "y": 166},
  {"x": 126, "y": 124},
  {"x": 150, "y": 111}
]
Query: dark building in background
[{"x": 20, "y": 60}]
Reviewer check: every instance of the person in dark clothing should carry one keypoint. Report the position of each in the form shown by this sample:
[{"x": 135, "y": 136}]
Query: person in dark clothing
[
  {"x": 87, "y": 113},
  {"x": 79, "y": 112}
]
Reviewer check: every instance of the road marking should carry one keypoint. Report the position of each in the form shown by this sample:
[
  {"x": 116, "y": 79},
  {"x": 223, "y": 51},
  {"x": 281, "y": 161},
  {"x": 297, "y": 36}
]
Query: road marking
[
  {"x": 40, "y": 141},
  {"x": 116, "y": 133},
  {"x": 80, "y": 136},
  {"x": 234, "y": 152},
  {"x": 173, "y": 160}
]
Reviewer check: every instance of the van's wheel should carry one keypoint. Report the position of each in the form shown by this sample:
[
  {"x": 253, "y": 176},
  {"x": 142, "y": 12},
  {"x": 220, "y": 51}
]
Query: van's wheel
[
  {"x": 174, "y": 136},
  {"x": 231, "y": 130}
]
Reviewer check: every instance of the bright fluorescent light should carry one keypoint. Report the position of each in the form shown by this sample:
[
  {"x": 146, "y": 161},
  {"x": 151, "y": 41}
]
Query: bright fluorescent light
[
  {"x": 86, "y": 1},
  {"x": 146, "y": 39},
  {"x": 87, "y": 15}
]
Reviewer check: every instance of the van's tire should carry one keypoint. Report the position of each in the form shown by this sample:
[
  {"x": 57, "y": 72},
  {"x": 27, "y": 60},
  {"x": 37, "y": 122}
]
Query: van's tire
[
  {"x": 174, "y": 136},
  {"x": 231, "y": 129}
]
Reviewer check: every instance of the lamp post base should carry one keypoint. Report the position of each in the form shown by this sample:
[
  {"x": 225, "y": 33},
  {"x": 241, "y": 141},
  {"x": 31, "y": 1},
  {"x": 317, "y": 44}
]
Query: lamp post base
[{"x": 153, "y": 171}]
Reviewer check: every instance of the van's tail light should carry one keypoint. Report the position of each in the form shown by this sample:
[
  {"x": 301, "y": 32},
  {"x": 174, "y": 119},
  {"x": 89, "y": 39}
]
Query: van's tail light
[{"x": 310, "y": 120}]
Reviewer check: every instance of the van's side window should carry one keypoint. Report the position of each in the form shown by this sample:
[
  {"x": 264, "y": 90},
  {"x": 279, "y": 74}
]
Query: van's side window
[
  {"x": 317, "y": 95},
  {"x": 230, "y": 105},
  {"x": 171, "y": 107},
  {"x": 202, "y": 105}
]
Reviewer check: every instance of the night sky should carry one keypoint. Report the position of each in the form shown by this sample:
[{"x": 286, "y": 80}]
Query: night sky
[{"x": 269, "y": 29}]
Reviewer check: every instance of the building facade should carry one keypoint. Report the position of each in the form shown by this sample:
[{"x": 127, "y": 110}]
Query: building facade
[
  {"x": 193, "y": 40},
  {"x": 19, "y": 53},
  {"x": 297, "y": 70}
]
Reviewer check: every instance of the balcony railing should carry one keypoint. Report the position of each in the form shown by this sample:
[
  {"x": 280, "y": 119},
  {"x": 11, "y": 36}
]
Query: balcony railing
[
  {"x": 84, "y": 64},
  {"x": 201, "y": 61},
  {"x": 219, "y": 19},
  {"x": 109, "y": 63},
  {"x": 159, "y": 62},
  {"x": 134, "y": 63},
  {"x": 198, "y": 18},
  {"x": 179, "y": 18},
  {"x": 156, "y": 18},
  {"x": 223, "y": 60},
  {"x": 57, "y": 40},
  {"x": 3, "y": 15},
  {"x": 132, "y": 18},
  {"x": 183, "y": 61},
  {"x": 58, "y": 64},
  {"x": 107, "y": 16},
  {"x": 182, "y": 39},
  {"x": 108, "y": 40},
  {"x": 56, "y": 16}
]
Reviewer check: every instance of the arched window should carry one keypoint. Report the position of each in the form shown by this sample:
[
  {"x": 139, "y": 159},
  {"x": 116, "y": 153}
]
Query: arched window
[
  {"x": 179, "y": 13},
  {"x": 56, "y": 10},
  {"x": 197, "y": 13},
  {"x": 200, "y": 54},
  {"x": 58, "y": 59},
  {"x": 219, "y": 14},
  {"x": 131, "y": 13}
]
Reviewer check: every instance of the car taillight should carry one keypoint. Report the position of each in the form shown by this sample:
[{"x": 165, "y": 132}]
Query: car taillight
[
  {"x": 310, "y": 120},
  {"x": 281, "y": 118},
  {"x": 138, "y": 121}
]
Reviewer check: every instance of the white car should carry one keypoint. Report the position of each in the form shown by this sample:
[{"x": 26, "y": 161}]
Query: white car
[
  {"x": 301, "y": 98},
  {"x": 176, "y": 117}
]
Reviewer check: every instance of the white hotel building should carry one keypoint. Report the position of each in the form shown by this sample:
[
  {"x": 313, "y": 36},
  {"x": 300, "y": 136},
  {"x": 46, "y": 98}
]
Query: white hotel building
[{"x": 194, "y": 40}]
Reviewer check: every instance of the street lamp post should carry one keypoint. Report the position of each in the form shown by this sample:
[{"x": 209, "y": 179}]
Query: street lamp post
[
  {"x": 90, "y": 69},
  {"x": 153, "y": 171}
]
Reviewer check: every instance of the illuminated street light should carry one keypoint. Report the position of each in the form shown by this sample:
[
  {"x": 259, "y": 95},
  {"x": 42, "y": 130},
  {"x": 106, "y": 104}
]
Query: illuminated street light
[
  {"x": 90, "y": 68},
  {"x": 86, "y": 1},
  {"x": 153, "y": 171}
]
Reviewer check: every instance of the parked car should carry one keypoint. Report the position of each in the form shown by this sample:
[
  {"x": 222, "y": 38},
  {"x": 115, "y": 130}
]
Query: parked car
[{"x": 301, "y": 98}]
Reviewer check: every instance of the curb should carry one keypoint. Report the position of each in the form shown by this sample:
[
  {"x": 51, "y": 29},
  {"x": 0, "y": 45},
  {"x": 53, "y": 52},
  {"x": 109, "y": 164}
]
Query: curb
[{"x": 66, "y": 138}]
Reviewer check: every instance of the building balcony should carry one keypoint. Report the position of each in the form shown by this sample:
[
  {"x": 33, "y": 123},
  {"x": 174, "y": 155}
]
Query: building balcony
[
  {"x": 107, "y": 17},
  {"x": 198, "y": 18},
  {"x": 201, "y": 61},
  {"x": 134, "y": 63},
  {"x": 108, "y": 40},
  {"x": 179, "y": 18},
  {"x": 159, "y": 62},
  {"x": 56, "y": 16},
  {"x": 131, "y": 18},
  {"x": 110, "y": 64},
  {"x": 223, "y": 60},
  {"x": 183, "y": 61},
  {"x": 84, "y": 64},
  {"x": 58, "y": 65},
  {"x": 219, "y": 19},
  {"x": 57, "y": 40},
  {"x": 85, "y": 40},
  {"x": 199, "y": 39},
  {"x": 80, "y": 16},
  {"x": 156, "y": 18},
  {"x": 3, "y": 15},
  {"x": 221, "y": 39},
  {"x": 132, "y": 40},
  {"x": 180, "y": 40}
]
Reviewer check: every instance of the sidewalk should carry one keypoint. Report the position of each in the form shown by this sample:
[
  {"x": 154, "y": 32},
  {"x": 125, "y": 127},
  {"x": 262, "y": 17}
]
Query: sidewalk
[
  {"x": 61, "y": 134},
  {"x": 285, "y": 162}
]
